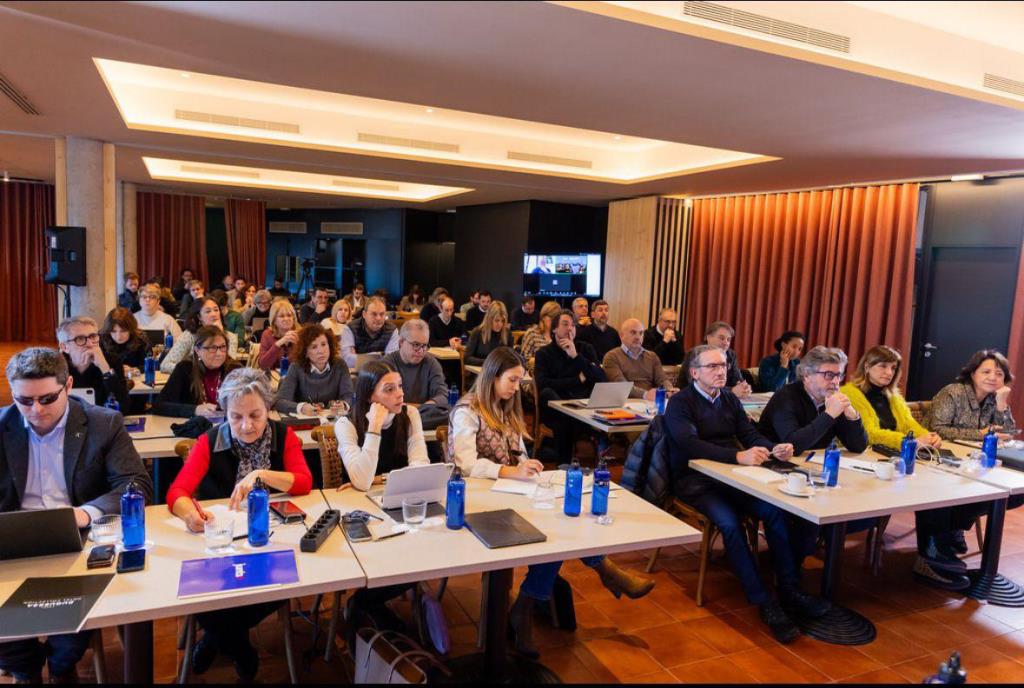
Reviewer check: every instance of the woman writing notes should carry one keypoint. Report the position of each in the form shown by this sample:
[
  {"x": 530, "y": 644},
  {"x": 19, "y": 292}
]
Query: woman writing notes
[{"x": 317, "y": 378}]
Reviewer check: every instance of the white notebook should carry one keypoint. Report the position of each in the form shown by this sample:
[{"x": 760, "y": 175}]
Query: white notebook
[{"x": 761, "y": 475}]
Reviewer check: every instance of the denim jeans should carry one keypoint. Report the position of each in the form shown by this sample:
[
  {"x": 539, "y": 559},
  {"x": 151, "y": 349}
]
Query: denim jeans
[
  {"x": 21, "y": 658},
  {"x": 228, "y": 629},
  {"x": 540, "y": 578},
  {"x": 939, "y": 524}
]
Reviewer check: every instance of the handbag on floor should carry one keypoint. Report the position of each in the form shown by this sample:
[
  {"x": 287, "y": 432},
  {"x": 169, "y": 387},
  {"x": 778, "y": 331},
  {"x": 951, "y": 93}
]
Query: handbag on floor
[{"x": 390, "y": 657}]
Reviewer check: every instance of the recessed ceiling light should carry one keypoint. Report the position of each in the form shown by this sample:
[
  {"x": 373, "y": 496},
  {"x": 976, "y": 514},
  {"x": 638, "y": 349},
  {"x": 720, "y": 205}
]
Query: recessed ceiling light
[
  {"x": 966, "y": 177},
  {"x": 186, "y": 75},
  {"x": 156, "y": 99}
]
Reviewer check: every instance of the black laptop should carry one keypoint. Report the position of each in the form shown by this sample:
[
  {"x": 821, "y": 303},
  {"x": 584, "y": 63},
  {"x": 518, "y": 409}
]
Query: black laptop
[
  {"x": 155, "y": 337},
  {"x": 502, "y": 528},
  {"x": 38, "y": 533}
]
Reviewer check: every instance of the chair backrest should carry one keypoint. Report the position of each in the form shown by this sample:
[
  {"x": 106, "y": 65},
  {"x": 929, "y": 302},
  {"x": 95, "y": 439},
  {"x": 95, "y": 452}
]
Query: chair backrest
[
  {"x": 755, "y": 374},
  {"x": 441, "y": 433},
  {"x": 920, "y": 410},
  {"x": 331, "y": 468},
  {"x": 183, "y": 447},
  {"x": 254, "y": 355},
  {"x": 517, "y": 337}
]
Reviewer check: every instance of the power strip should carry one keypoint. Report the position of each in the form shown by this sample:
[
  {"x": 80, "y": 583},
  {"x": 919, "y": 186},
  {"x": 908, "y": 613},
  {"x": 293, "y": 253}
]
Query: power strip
[{"x": 320, "y": 530}]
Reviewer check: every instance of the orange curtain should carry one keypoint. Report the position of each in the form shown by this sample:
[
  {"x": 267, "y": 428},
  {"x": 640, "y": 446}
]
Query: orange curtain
[
  {"x": 171, "y": 235},
  {"x": 836, "y": 264},
  {"x": 1015, "y": 350},
  {"x": 247, "y": 239},
  {"x": 28, "y": 307}
]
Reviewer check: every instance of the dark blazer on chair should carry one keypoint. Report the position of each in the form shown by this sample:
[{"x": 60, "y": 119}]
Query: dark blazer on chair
[{"x": 99, "y": 458}]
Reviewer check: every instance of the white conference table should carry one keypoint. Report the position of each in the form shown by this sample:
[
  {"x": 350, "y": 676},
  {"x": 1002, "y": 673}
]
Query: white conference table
[
  {"x": 160, "y": 379},
  {"x": 586, "y": 416},
  {"x": 135, "y": 600},
  {"x": 444, "y": 353}
]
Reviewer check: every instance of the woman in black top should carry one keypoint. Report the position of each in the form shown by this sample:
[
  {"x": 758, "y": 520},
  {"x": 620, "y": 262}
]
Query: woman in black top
[
  {"x": 121, "y": 337},
  {"x": 192, "y": 388},
  {"x": 492, "y": 333}
]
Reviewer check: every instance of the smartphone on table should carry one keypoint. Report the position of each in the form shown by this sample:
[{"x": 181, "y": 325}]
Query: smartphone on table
[
  {"x": 131, "y": 560},
  {"x": 287, "y": 511}
]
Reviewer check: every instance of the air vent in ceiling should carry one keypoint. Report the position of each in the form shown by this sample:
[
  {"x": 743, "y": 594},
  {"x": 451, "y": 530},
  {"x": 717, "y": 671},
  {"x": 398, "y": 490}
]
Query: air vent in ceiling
[
  {"x": 371, "y": 186},
  {"x": 232, "y": 121},
  {"x": 760, "y": 23},
  {"x": 1002, "y": 83},
  {"x": 347, "y": 228},
  {"x": 549, "y": 159},
  {"x": 287, "y": 227},
  {"x": 199, "y": 169},
  {"x": 16, "y": 96},
  {"x": 408, "y": 143}
]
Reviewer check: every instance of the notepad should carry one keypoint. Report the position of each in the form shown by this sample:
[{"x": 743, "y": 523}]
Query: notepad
[
  {"x": 237, "y": 572},
  {"x": 761, "y": 475}
]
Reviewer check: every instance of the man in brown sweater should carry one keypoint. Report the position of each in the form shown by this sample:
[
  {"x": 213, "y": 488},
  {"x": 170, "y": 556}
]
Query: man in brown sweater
[{"x": 634, "y": 363}]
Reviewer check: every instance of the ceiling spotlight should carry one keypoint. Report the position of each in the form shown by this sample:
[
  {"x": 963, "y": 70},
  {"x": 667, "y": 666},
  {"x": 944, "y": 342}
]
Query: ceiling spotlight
[
  {"x": 966, "y": 177},
  {"x": 429, "y": 110},
  {"x": 7, "y": 177}
]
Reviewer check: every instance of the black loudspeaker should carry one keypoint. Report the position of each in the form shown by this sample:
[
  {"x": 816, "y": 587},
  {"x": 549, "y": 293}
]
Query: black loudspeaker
[{"x": 65, "y": 247}]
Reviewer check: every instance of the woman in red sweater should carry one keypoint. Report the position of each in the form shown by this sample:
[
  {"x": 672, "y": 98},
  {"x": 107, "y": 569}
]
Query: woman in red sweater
[
  {"x": 225, "y": 463},
  {"x": 281, "y": 334}
]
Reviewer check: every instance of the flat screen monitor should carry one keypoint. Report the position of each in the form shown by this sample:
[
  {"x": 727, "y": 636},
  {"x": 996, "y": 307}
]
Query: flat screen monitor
[{"x": 576, "y": 274}]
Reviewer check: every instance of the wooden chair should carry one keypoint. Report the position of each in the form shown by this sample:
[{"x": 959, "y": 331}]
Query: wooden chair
[
  {"x": 517, "y": 338},
  {"x": 540, "y": 431},
  {"x": 441, "y": 433},
  {"x": 920, "y": 410}
]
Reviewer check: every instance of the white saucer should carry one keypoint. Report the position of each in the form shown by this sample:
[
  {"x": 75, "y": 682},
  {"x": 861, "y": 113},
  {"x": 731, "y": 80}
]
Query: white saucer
[{"x": 807, "y": 492}]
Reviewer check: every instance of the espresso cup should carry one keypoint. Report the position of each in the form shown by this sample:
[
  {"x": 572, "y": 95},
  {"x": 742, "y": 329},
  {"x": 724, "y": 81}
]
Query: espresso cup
[
  {"x": 884, "y": 470},
  {"x": 796, "y": 482}
]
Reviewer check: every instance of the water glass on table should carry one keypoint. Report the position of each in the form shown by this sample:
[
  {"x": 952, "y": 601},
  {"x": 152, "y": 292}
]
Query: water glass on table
[
  {"x": 218, "y": 533},
  {"x": 414, "y": 511},
  {"x": 544, "y": 493},
  {"x": 106, "y": 530}
]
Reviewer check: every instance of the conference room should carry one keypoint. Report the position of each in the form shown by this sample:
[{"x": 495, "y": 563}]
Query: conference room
[{"x": 539, "y": 342}]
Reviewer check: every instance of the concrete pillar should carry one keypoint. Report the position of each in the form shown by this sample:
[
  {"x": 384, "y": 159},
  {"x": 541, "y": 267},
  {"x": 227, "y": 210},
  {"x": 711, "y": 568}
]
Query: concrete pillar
[
  {"x": 86, "y": 196},
  {"x": 129, "y": 231}
]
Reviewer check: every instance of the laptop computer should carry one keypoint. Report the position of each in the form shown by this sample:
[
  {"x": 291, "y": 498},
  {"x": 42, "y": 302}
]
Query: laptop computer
[
  {"x": 258, "y": 324},
  {"x": 606, "y": 395},
  {"x": 503, "y": 528},
  {"x": 428, "y": 482},
  {"x": 21, "y": 533}
]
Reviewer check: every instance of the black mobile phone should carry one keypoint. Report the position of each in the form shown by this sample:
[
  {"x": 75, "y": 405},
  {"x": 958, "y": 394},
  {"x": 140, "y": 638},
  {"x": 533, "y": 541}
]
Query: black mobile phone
[
  {"x": 131, "y": 560},
  {"x": 288, "y": 511},
  {"x": 356, "y": 530},
  {"x": 101, "y": 556}
]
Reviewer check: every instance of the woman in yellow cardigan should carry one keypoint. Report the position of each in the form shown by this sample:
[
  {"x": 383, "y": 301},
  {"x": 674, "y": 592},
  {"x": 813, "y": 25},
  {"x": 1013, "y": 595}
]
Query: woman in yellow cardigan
[{"x": 874, "y": 393}]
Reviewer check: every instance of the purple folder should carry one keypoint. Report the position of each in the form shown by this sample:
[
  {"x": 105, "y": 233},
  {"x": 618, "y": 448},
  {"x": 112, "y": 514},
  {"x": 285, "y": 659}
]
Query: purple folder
[{"x": 237, "y": 572}]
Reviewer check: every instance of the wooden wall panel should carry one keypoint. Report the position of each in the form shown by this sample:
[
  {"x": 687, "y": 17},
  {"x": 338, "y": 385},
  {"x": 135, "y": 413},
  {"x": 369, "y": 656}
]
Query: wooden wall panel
[{"x": 628, "y": 257}]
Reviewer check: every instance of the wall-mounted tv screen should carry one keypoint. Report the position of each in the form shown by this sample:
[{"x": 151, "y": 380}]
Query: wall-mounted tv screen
[{"x": 576, "y": 274}]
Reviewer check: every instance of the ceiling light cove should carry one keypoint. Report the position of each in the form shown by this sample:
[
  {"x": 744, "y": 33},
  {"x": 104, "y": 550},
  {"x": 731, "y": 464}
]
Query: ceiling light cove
[
  {"x": 159, "y": 99},
  {"x": 288, "y": 180}
]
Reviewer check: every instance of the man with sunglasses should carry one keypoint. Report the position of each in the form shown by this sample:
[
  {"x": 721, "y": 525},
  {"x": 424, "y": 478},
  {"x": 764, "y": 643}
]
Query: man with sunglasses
[
  {"x": 422, "y": 375},
  {"x": 811, "y": 412},
  {"x": 57, "y": 452},
  {"x": 79, "y": 340}
]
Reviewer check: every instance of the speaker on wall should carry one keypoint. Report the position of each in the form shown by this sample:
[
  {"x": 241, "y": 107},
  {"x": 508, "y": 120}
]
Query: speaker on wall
[{"x": 65, "y": 248}]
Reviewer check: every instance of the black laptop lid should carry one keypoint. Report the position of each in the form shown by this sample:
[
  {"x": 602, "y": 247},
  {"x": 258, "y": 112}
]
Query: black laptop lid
[
  {"x": 502, "y": 528},
  {"x": 38, "y": 533}
]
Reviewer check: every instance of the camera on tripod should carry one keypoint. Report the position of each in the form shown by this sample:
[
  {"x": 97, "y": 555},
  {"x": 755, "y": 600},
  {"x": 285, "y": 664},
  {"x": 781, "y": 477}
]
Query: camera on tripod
[{"x": 308, "y": 263}]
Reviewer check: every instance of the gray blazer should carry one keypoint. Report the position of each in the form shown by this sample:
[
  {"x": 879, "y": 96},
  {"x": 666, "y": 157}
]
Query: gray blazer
[{"x": 99, "y": 459}]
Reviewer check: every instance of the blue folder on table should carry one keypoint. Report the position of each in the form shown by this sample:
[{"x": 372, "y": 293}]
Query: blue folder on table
[{"x": 237, "y": 572}]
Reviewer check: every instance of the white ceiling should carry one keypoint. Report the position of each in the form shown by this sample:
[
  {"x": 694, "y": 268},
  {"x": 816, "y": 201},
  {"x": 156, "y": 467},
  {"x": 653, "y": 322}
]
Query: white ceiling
[{"x": 524, "y": 60}]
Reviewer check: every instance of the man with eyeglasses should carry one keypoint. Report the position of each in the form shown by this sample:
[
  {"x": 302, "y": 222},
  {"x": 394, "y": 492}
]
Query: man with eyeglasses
[
  {"x": 422, "y": 375},
  {"x": 707, "y": 421},
  {"x": 811, "y": 412},
  {"x": 79, "y": 340},
  {"x": 663, "y": 339},
  {"x": 721, "y": 334},
  {"x": 57, "y": 452}
]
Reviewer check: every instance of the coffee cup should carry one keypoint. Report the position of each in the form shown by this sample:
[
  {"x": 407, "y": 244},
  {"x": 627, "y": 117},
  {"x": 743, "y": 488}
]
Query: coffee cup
[
  {"x": 884, "y": 470},
  {"x": 796, "y": 482}
]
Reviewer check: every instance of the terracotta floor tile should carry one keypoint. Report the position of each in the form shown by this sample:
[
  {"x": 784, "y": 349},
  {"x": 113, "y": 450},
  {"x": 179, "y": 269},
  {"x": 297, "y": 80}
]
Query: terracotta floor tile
[
  {"x": 886, "y": 675},
  {"x": 1011, "y": 616},
  {"x": 623, "y": 656},
  {"x": 632, "y": 615},
  {"x": 967, "y": 617},
  {"x": 720, "y": 635},
  {"x": 776, "y": 665},
  {"x": 890, "y": 647},
  {"x": 656, "y": 677},
  {"x": 916, "y": 670},
  {"x": 674, "y": 644},
  {"x": 835, "y": 661},
  {"x": 1011, "y": 645},
  {"x": 564, "y": 662},
  {"x": 593, "y": 664},
  {"x": 986, "y": 664},
  {"x": 712, "y": 671},
  {"x": 927, "y": 632}
]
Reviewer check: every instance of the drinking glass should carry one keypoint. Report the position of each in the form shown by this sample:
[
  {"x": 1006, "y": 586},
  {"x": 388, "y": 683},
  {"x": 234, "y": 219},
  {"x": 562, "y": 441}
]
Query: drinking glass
[
  {"x": 544, "y": 493},
  {"x": 106, "y": 530},
  {"x": 219, "y": 533},
  {"x": 414, "y": 510}
]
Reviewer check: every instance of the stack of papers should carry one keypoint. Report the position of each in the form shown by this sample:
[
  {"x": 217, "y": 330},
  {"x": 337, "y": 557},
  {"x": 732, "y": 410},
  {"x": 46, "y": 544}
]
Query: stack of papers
[
  {"x": 528, "y": 487},
  {"x": 761, "y": 475}
]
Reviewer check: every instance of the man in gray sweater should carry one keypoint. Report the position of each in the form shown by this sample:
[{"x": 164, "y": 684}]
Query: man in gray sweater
[
  {"x": 631, "y": 361},
  {"x": 422, "y": 377}
]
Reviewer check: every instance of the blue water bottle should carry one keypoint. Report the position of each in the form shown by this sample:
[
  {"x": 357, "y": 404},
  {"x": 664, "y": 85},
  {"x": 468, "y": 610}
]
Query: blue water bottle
[
  {"x": 453, "y": 396},
  {"x": 149, "y": 370},
  {"x": 599, "y": 494},
  {"x": 259, "y": 515},
  {"x": 659, "y": 400},
  {"x": 133, "y": 517},
  {"x": 908, "y": 452},
  {"x": 989, "y": 447},
  {"x": 455, "y": 504},
  {"x": 168, "y": 341},
  {"x": 832, "y": 464},
  {"x": 284, "y": 366},
  {"x": 573, "y": 489},
  {"x": 112, "y": 403}
]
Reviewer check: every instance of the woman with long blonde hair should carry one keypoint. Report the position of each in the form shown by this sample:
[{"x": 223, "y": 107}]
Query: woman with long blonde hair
[
  {"x": 492, "y": 333},
  {"x": 281, "y": 335}
]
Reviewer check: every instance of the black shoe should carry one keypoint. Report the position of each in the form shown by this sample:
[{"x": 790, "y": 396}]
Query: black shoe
[
  {"x": 795, "y": 601},
  {"x": 959, "y": 542},
  {"x": 203, "y": 653},
  {"x": 783, "y": 628},
  {"x": 69, "y": 677},
  {"x": 520, "y": 626},
  {"x": 927, "y": 572},
  {"x": 247, "y": 662},
  {"x": 940, "y": 554}
]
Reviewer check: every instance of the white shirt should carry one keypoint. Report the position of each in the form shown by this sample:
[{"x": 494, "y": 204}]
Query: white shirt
[
  {"x": 158, "y": 321},
  {"x": 45, "y": 486},
  {"x": 707, "y": 396},
  {"x": 361, "y": 462},
  {"x": 348, "y": 345},
  {"x": 465, "y": 423}
]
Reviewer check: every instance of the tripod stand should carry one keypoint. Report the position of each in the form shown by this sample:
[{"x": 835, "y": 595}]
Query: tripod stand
[{"x": 307, "y": 279}]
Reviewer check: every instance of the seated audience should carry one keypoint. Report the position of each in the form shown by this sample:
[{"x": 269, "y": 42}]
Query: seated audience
[
  {"x": 58, "y": 452},
  {"x": 236, "y": 294},
  {"x": 206, "y": 312},
  {"x": 226, "y": 462},
  {"x": 631, "y": 361},
  {"x": 129, "y": 298},
  {"x": 279, "y": 290},
  {"x": 540, "y": 334},
  {"x": 422, "y": 376},
  {"x": 475, "y": 316},
  {"x": 599, "y": 334},
  {"x": 192, "y": 387},
  {"x": 121, "y": 339},
  {"x": 445, "y": 328},
  {"x": 279, "y": 337},
  {"x": 663, "y": 339},
  {"x": 79, "y": 340},
  {"x": 779, "y": 368},
  {"x": 707, "y": 421},
  {"x": 525, "y": 315},
  {"x": 811, "y": 412},
  {"x": 358, "y": 300},
  {"x": 241, "y": 304},
  {"x": 317, "y": 377},
  {"x": 317, "y": 309},
  {"x": 196, "y": 290},
  {"x": 413, "y": 301},
  {"x": 370, "y": 333},
  {"x": 167, "y": 302},
  {"x": 233, "y": 323},
  {"x": 486, "y": 441},
  {"x": 581, "y": 311},
  {"x": 433, "y": 305},
  {"x": 474, "y": 300},
  {"x": 228, "y": 283},
  {"x": 149, "y": 315},
  {"x": 979, "y": 398},
  {"x": 179, "y": 289},
  {"x": 260, "y": 308},
  {"x": 721, "y": 334},
  {"x": 489, "y": 335},
  {"x": 341, "y": 314}
]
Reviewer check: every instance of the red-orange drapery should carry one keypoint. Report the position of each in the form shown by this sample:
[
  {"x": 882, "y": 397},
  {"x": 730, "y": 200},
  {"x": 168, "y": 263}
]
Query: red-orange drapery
[
  {"x": 1015, "y": 350},
  {"x": 247, "y": 239},
  {"x": 171, "y": 235},
  {"x": 836, "y": 264},
  {"x": 28, "y": 307}
]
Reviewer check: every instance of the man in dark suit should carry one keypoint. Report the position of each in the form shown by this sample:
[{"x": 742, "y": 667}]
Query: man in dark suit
[
  {"x": 56, "y": 452},
  {"x": 663, "y": 339}
]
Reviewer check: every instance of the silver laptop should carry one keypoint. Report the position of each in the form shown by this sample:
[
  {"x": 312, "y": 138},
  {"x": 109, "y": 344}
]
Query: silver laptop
[
  {"x": 606, "y": 395},
  {"x": 428, "y": 482},
  {"x": 258, "y": 324}
]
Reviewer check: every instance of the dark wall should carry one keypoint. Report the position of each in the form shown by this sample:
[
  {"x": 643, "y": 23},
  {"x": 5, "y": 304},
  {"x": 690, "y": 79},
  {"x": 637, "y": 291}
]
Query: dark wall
[
  {"x": 216, "y": 246},
  {"x": 429, "y": 249},
  {"x": 490, "y": 241}
]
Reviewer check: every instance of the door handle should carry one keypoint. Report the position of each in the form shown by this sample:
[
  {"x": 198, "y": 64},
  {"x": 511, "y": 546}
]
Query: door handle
[{"x": 930, "y": 347}]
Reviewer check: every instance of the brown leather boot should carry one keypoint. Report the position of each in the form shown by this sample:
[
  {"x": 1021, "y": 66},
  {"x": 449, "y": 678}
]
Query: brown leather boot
[
  {"x": 619, "y": 580},
  {"x": 520, "y": 620}
]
